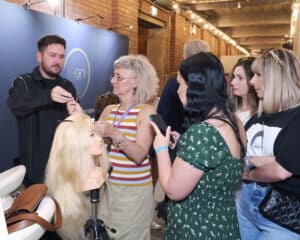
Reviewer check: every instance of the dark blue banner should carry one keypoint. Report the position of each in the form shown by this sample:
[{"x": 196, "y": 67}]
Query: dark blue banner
[{"x": 89, "y": 59}]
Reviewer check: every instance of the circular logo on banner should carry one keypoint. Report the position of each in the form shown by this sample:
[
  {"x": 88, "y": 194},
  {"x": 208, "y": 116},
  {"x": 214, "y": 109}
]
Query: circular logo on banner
[{"x": 78, "y": 70}]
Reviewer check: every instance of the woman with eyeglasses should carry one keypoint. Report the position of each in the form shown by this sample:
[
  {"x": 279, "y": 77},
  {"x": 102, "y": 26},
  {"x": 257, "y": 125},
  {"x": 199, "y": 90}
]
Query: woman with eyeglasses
[
  {"x": 273, "y": 168},
  {"x": 203, "y": 179},
  {"x": 127, "y": 201},
  {"x": 243, "y": 100}
]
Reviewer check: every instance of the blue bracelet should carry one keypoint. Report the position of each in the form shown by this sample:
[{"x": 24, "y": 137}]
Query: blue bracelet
[{"x": 161, "y": 148}]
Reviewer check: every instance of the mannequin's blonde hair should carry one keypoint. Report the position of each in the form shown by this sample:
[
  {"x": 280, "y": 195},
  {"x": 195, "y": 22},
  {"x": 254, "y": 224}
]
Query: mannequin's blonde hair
[{"x": 70, "y": 162}]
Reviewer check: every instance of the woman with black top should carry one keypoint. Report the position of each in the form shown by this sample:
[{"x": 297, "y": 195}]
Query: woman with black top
[{"x": 273, "y": 145}]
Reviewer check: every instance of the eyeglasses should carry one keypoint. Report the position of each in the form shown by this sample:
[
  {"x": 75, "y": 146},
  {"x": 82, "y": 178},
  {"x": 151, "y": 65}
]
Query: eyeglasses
[{"x": 119, "y": 78}]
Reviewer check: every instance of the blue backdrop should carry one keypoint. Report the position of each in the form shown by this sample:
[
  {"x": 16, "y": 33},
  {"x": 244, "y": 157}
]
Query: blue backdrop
[{"x": 90, "y": 55}]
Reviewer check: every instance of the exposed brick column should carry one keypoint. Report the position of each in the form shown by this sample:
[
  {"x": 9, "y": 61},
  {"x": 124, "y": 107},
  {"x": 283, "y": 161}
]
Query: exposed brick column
[
  {"x": 126, "y": 13},
  {"x": 178, "y": 38}
]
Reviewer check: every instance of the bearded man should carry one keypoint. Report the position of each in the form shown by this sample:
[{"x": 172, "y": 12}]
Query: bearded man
[{"x": 39, "y": 101}]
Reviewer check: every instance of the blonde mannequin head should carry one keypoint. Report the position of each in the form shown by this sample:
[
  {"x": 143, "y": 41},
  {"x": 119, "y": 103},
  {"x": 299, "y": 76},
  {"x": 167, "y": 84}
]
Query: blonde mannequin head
[{"x": 72, "y": 167}]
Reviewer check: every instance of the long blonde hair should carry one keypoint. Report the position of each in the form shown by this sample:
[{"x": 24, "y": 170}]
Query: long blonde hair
[
  {"x": 70, "y": 162},
  {"x": 280, "y": 71}
]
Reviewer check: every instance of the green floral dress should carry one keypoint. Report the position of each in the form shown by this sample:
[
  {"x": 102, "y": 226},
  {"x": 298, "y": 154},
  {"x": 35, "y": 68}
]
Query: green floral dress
[{"x": 209, "y": 211}]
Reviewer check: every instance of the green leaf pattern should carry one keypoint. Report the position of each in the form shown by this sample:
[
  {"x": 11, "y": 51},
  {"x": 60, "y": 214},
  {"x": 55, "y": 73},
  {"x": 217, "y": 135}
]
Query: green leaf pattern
[{"x": 209, "y": 211}]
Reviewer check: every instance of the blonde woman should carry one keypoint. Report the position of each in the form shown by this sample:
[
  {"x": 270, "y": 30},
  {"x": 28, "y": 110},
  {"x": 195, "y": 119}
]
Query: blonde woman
[
  {"x": 127, "y": 203},
  {"x": 77, "y": 163},
  {"x": 273, "y": 146}
]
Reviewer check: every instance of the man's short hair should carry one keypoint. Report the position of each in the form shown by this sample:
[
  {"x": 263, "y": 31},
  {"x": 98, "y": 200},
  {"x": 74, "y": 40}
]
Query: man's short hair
[
  {"x": 45, "y": 41},
  {"x": 193, "y": 47}
]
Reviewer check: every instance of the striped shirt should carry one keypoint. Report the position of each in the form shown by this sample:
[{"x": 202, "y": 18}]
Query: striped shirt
[{"x": 126, "y": 172}]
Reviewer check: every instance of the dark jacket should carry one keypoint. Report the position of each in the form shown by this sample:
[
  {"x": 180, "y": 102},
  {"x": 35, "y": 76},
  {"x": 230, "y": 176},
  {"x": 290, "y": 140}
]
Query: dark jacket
[
  {"x": 170, "y": 107},
  {"x": 37, "y": 117}
]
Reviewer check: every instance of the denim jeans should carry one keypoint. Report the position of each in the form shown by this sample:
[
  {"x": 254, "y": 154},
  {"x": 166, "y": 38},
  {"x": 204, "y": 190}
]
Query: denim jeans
[{"x": 253, "y": 226}]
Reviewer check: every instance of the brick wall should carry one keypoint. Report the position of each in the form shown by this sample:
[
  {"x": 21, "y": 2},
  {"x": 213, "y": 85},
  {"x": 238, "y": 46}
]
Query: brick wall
[
  {"x": 181, "y": 31},
  {"x": 126, "y": 13},
  {"x": 82, "y": 9},
  {"x": 115, "y": 13},
  {"x": 178, "y": 37},
  {"x": 118, "y": 13}
]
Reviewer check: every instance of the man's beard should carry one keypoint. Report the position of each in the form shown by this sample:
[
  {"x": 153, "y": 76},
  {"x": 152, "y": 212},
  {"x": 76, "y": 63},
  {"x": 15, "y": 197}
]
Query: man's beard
[{"x": 49, "y": 72}]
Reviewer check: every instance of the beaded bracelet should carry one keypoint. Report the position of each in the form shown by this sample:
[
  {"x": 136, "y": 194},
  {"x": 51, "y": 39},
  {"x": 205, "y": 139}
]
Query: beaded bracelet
[
  {"x": 119, "y": 142},
  {"x": 161, "y": 148}
]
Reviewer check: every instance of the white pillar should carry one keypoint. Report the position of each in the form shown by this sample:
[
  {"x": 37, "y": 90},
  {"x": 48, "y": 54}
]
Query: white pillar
[{"x": 296, "y": 42}]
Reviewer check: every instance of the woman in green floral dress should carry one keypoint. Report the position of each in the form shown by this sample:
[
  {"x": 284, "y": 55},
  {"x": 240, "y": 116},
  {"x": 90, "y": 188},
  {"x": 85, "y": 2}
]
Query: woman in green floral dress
[{"x": 206, "y": 173}]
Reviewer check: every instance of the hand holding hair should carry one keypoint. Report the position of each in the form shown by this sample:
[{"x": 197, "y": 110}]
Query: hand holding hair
[
  {"x": 60, "y": 95},
  {"x": 74, "y": 107}
]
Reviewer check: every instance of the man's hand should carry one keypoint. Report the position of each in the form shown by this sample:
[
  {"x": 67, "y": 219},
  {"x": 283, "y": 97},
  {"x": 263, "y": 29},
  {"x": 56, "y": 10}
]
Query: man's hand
[
  {"x": 60, "y": 95},
  {"x": 74, "y": 107}
]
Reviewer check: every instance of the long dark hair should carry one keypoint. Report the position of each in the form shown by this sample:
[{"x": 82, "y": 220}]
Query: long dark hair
[
  {"x": 236, "y": 101},
  {"x": 205, "y": 78}
]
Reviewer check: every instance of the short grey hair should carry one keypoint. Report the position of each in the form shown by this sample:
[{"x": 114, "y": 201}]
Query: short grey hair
[
  {"x": 193, "y": 47},
  {"x": 147, "y": 79}
]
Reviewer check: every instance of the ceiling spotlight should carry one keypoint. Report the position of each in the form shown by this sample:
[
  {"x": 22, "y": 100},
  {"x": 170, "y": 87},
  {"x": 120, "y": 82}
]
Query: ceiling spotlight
[
  {"x": 205, "y": 26},
  {"x": 175, "y": 6},
  {"x": 200, "y": 20},
  {"x": 78, "y": 20},
  {"x": 29, "y": 4}
]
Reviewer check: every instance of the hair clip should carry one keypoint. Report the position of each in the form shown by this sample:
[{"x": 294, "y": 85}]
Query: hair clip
[{"x": 274, "y": 56}]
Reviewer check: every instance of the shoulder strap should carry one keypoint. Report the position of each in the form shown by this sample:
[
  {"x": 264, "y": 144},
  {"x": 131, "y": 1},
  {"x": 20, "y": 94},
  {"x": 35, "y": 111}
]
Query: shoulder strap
[
  {"x": 25, "y": 78},
  {"x": 235, "y": 130},
  {"x": 28, "y": 200},
  {"x": 223, "y": 119},
  {"x": 22, "y": 220}
]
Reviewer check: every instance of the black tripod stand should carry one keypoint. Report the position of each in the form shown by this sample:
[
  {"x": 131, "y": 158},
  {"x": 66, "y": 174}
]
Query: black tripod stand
[{"x": 94, "y": 227}]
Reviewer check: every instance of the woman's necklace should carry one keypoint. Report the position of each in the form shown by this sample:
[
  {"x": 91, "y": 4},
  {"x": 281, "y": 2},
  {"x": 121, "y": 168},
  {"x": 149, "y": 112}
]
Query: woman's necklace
[
  {"x": 108, "y": 140},
  {"x": 124, "y": 115}
]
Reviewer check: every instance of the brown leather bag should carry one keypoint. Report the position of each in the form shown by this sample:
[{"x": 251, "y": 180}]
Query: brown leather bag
[{"x": 22, "y": 213}]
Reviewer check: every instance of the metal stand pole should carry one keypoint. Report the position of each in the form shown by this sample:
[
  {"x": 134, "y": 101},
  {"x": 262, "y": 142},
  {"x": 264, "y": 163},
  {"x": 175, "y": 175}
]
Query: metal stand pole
[{"x": 95, "y": 227}]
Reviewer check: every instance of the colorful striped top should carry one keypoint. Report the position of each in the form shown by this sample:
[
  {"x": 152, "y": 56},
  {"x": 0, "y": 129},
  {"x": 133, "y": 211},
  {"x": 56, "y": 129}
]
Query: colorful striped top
[{"x": 126, "y": 172}]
